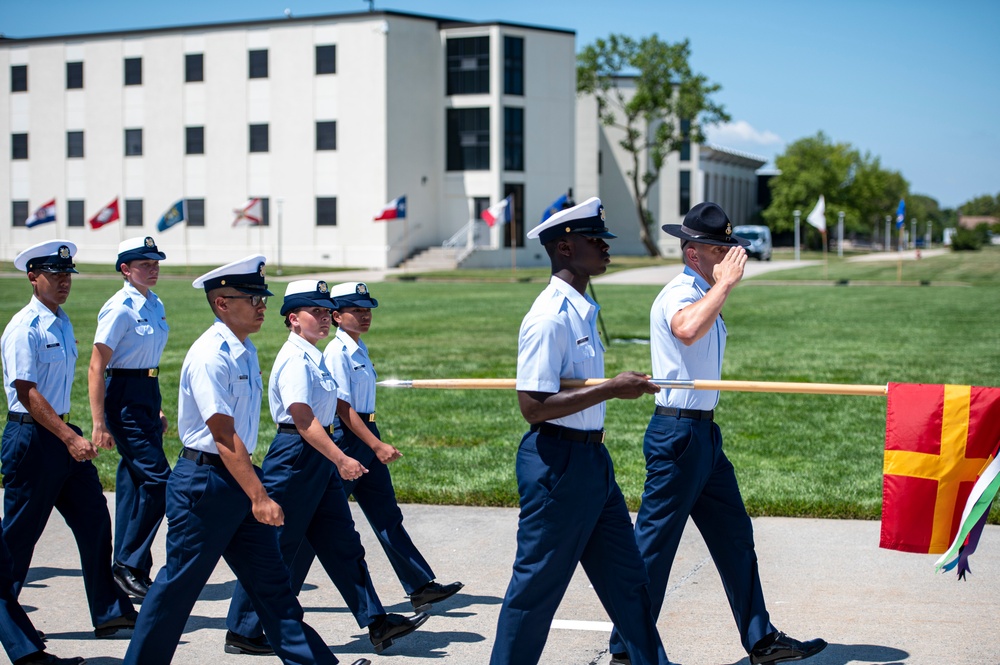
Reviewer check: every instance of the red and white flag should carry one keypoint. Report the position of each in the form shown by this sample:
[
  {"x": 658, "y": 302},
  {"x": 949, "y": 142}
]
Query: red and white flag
[
  {"x": 105, "y": 215},
  {"x": 394, "y": 209},
  {"x": 251, "y": 214},
  {"x": 498, "y": 212}
]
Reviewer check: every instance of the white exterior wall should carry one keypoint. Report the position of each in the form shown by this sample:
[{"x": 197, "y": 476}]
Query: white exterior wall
[{"x": 387, "y": 97}]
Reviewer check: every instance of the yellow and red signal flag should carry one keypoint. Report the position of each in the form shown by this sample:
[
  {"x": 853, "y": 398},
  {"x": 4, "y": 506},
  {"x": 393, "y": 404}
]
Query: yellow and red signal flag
[{"x": 938, "y": 441}]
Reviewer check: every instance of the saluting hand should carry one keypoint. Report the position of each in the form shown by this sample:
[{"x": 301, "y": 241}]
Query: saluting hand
[
  {"x": 350, "y": 468},
  {"x": 729, "y": 270},
  {"x": 267, "y": 511},
  {"x": 631, "y": 385}
]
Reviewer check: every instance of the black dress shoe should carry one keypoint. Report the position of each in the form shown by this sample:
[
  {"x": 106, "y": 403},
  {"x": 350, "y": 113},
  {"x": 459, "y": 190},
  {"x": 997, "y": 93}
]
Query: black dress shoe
[
  {"x": 249, "y": 646},
  {"x": 620, "y": 659},
  {"x": 42, "y": 658},
  {"x": 131, "y": 583},
  {"x": 388, "y": 627},
  {"x": 780, "y": 648},
  {"x": 115, "y": 626},
  {"x": 431, "y": 593},
  {"x": 362, "y": 661}
]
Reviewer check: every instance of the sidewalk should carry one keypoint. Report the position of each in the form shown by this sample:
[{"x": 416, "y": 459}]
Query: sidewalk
[{"x": 821, "y": 578}]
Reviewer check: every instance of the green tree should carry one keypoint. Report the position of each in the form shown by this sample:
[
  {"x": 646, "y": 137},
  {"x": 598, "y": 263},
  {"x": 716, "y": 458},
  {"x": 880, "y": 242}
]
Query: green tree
[
  {"x": 982, "y": 205},
  {"x": 668, "y": 106}
]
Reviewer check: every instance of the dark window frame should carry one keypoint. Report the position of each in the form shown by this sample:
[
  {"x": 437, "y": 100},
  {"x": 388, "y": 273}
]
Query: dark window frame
[
  {"x": 194, "y": 67},
  {"x": 684, "y": 191},
  {"x": 133, "y": 142},
  {"x": 133, "y": 212},
  {"x": 74, "y": 75},
  {"x": 265, "y": 206},
  {"x": 19, "y": 146},
  {"x": 513, "y": 138},
  {"x": 75, "y": 212},
  {"x": 19, "y": 78},
  {"x": 685, "y": 149},
  {"x": 466, "y": 149},
  {"x": 133, "y": 71},
  {"x": 513, "y": 65},
  {"x": 259, "y": 138},
  {"x": 194, "y": 212},
  {"x": 326, "y": 135},
  {"x": 326, "y": 59},
  {"x": 194, "y": 140},
  {"x": 326, "y": 211},
  {"x": 467, "y": 65},
  {"x": 257, "y": 64},
  {"x": 74, "y": 144},
  {"x": 19, "y": 212}
]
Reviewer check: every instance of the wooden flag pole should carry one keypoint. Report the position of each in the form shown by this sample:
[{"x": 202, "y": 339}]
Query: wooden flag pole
[{"x": 695, "y": 384}]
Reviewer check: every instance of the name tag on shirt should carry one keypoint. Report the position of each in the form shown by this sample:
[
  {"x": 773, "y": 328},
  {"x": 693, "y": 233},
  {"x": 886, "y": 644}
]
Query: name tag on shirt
[{"x": 583, "y": 340}]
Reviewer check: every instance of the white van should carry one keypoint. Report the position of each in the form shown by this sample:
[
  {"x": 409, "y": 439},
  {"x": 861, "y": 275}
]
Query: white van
[{"x": 760, "y": 241}]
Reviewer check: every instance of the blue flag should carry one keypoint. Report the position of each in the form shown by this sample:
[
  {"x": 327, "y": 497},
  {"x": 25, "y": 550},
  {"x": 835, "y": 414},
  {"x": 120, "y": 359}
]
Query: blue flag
[
  {"x": 556, "y": 206},
  {"x": 173, "y": 215},
  {"x": 901, "y": 214}
]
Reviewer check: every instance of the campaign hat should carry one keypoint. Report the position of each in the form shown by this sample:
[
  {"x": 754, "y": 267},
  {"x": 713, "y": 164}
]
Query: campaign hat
[
  {"x": 306, "y": 293},
  {"x": 245, "y": 275},
  {"x": 708, "y": 224},
  {"x": 352, "y": 294},
  {"x": 49, "y": 256},
  {"x": 137, "y": 249},
  {"x": 586, "y": 219}
]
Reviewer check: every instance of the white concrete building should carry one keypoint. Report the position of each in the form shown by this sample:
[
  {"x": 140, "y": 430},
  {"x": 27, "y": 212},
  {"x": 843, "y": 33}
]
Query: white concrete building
[
  {"x": 326, "y": 118},
  {"x": 696, "y": 173}
]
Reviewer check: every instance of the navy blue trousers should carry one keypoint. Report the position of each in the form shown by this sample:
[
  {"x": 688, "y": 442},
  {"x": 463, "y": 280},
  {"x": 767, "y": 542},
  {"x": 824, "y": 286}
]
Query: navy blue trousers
[
  {"x": 208, "y": 517},
  {"x": 572, "y": 511},
  {"x": 132, "y": 414},
  {"x": 307, "y": 486},
  {"x": 18, "y": 637},
  {"x": 688, "y": 474},
  {"x": 376, "y": 497},
  {"x": 39, "y": 475}
]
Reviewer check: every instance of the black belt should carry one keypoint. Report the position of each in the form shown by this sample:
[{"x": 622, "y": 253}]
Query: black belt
[
  {"x": 693, "y": 414},
  {"x": 150, "y": 373},
  {"x": 284, "y": 428},
  {"x": 568, "y": 433},
  {"x": 202, "y": 458},
  {"x": 25, "y": 418},
  {"x": 368, "y": 417}
]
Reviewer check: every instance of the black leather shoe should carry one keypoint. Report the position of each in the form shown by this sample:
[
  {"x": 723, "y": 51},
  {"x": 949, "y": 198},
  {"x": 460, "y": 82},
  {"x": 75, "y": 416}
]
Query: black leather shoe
[
  {"x": 620, "y": 659},
  {"x": 114, "y": 626},
  {"x": 431, "y": 593},
  {"x": 387, "y": 628},
  {"x": 781, "y": 648},
  {"x": 249, "y": 646},
  {"x": 362, "y": 661},
  {"x": 131, "y": 583},
  {"x": 42, "y": 658}
]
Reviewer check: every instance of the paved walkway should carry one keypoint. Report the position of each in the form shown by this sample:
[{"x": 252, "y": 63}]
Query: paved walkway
[{"x": 822, "y": 578}]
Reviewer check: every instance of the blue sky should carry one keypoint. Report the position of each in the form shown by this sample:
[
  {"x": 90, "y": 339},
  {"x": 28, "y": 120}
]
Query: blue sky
[{"x": 915, "y": 82}]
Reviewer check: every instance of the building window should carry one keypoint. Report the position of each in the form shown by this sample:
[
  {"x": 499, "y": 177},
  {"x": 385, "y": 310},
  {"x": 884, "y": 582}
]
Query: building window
[
  {"x": 468, "y": 65},
  {"x": 258, "y": 138},
  {"x": 686, "y": 143},
  {"x": 133, "y": 142},
  {"x": 18, "y": 213},
  {"x": 326, "y": 211},
  {"x": 326, "y": 135},
  {"x": 194, "y": 212},
  {"x": 194, "y": 67},
  {"x": 685, "y": 192},
  {"x": 513, "y": 139},
  {"x": 265, "y": 210},
  {"x": 326, "y": 59},
  {"x": 468, "y": 139},
  {"x": 194, "y": 140},
  {"x": 18, "y": 146},
  {"x": 74, "y": 75},
  {"x": 133, "y": 212},
  {"x": 133, "y": 71},
  {"x": 258, "y": 64},
  {"x": 74, "y": 213},
  {"x": 513, "y": 65},
  {"x": 74, "y": 144},
  {"x": 479, "y": 206},
  {"x": 19, "y": 78}
]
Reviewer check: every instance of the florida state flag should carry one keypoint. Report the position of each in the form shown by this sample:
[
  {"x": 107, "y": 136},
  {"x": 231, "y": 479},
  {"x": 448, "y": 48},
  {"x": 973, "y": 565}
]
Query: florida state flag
[{"x": 938, "y": 440}]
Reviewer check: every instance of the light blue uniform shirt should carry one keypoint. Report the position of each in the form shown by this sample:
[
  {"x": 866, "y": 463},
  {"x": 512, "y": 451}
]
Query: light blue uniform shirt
[
  {"x": 134, "y": 328},
  {"x": 220, "y": 375},
  {"x": 40, "y": 347},
  {"x": 353, "y": 371},
  {"x": 671, "y": 358},
  {"x": 299, "y": 375},
  {"x": 558, "y": 340}
]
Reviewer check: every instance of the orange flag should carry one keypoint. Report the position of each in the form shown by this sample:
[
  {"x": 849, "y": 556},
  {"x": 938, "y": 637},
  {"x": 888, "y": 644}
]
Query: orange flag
[{"x": 938, "y": 439}]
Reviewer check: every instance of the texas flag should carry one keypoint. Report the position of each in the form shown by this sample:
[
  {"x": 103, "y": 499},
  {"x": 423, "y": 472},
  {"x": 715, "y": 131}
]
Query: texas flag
[
  {"x": 394, "y": 209},
  {"x": 45, "y": 214},
  {"x": 251, "y": 214},
  {"x": 499, "y": 211},
  {"x": 105, "y": 215}
]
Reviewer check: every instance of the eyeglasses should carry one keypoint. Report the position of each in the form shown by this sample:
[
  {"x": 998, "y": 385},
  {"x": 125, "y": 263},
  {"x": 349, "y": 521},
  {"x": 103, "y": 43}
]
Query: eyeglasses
[{"x": 255, "y": 301}]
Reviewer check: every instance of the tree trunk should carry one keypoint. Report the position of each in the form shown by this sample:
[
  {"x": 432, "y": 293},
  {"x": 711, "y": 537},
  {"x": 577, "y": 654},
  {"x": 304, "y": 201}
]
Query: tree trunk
[{"x": 647, "y": 240}]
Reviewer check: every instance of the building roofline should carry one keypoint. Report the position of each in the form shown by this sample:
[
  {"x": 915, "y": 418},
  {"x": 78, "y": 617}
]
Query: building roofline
[
  {"x": 734, "y": 156},
  {"x": 443, "y": 22}
]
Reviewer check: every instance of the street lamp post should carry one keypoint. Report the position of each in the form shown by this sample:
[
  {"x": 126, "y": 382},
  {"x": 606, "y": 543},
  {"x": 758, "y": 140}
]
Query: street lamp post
[
  {"x": 888, "y": 233},
  {"x": 796, "y": 213},
  {"x": 840, "y": 233}
]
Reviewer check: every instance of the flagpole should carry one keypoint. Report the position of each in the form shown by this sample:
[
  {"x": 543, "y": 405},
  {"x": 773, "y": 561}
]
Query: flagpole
[
  {"x": 825, "y": 259},
  {"x": 513, "y": 244},
  {"x": 691, "y": 384}
]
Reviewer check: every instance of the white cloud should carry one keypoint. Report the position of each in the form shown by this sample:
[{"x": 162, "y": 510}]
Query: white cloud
[{"x": 741, "y": 133}]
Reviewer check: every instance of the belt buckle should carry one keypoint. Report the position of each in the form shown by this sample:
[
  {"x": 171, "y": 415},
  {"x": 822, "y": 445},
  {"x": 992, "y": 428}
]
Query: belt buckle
[
  {"x": 64, "y": 417},
  {"x": 371, "y": 417},
  {"x": 601, "y": 439},
  {"x": 153, "y": 372}
]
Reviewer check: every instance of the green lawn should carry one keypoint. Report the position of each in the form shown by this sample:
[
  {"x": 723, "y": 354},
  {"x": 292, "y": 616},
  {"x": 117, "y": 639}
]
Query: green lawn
[{"x": 794, "y": 454}]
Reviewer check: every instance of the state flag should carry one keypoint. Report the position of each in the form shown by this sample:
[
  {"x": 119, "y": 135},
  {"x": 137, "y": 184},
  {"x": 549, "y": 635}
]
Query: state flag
[
  {"x": 817, "y": 217},
  {"x": 499, "y": 211},
  {"x": 105, "y": 215},
  {"x": 46, "y": 213},
  {"x": 174, "y": 215},
  {"x": 394, "y": 209},
  {"x": 251, "y": 214}
]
